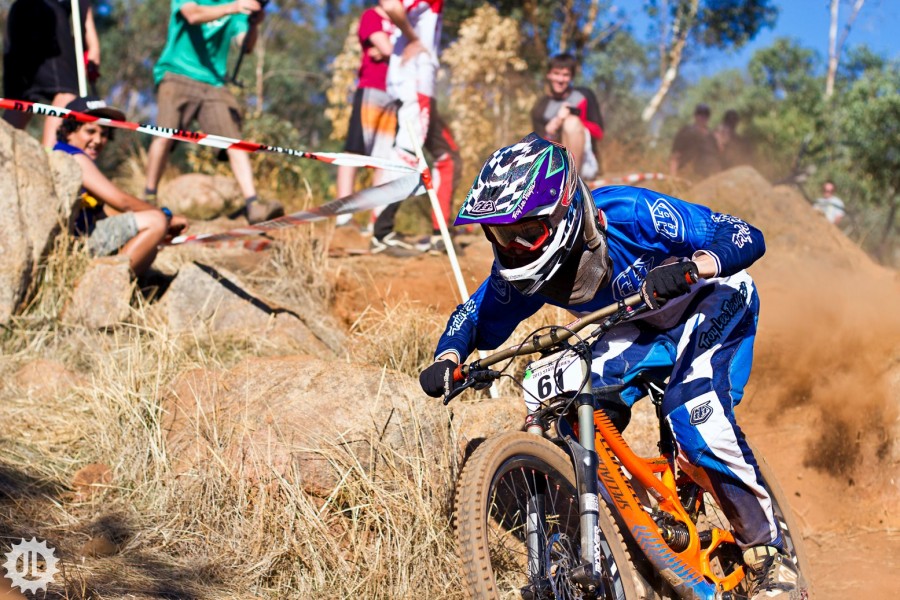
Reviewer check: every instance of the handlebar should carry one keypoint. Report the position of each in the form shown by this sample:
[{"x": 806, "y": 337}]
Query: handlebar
[{"x": 479, "y": 376}]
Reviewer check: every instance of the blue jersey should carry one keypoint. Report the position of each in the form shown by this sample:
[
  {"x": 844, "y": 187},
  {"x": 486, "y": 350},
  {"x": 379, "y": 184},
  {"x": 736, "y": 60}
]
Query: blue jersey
[{"x": 643, "y": 228}]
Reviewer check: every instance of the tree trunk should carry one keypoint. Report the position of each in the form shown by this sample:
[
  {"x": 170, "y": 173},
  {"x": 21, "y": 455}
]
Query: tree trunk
[
  {"x": 680, "y": 31},
  {"x": 832, "y": 50},
  {"x": 835, "y": 46}
]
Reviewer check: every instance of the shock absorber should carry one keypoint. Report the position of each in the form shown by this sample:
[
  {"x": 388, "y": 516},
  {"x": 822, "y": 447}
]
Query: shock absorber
[{"x": 676, "y": 534}]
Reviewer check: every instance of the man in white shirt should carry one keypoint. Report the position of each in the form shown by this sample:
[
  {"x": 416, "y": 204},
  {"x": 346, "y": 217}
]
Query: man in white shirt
[{"x": 830, "y": 205}]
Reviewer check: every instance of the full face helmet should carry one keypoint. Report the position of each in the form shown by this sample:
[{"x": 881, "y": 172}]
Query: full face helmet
[{"x": 531, "y": 205}]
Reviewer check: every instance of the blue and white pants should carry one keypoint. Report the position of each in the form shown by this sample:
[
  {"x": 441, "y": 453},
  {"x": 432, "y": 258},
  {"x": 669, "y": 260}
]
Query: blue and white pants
[{"x": 703, "y": 342}]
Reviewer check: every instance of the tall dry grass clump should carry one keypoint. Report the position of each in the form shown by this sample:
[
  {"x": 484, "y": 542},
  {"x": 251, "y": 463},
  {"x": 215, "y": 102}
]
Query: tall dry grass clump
[{"x": 218, "y": 531}]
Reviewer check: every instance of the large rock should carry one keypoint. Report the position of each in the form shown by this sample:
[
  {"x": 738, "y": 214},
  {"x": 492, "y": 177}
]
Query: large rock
[
  {"x": 37, "y": 195},
  {"x": 305, "y": 419},
  {"x": 205, "y": 300},
  {"x": 102, "y": 296},
  {"x": 199, "y": 196}
]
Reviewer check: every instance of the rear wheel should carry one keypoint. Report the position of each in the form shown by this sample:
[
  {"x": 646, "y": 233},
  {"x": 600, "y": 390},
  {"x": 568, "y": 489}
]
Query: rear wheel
[{"x": 518, "y": 527}]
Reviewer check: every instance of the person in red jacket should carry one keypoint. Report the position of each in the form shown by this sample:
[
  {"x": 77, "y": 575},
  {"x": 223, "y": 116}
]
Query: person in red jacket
[{"x": 570, "y": 115}]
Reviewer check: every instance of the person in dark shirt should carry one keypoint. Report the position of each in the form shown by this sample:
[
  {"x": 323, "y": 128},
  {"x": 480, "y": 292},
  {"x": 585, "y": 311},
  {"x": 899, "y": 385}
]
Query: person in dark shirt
[
  {"x": 570, "y": 115},
  {"x": 695, "y": 150},
  {"x": 734, "y": 149}
]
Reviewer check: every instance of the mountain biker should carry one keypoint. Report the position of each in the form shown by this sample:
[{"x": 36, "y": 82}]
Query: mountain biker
[{"x": 555, "y": 242}]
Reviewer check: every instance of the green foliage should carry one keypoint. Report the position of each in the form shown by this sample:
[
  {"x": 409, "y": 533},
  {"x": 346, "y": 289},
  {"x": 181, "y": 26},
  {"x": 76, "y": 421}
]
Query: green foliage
[{"x": 732, "y": 23}]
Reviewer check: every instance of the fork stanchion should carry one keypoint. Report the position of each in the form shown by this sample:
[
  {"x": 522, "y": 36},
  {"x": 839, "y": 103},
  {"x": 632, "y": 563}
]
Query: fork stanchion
[{"x": 425, "y": 170}]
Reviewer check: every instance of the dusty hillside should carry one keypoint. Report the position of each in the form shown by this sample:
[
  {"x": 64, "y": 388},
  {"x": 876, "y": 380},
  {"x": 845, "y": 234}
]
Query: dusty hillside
[{"x": 823, "y": 398}]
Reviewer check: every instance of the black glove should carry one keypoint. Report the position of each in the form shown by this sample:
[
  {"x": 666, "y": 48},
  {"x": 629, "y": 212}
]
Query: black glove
[
  {"x": 437, "y": 378},
  {"x": 668, "y": 281}
]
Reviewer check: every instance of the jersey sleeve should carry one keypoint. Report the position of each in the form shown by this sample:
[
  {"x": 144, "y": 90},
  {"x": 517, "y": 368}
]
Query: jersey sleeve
[
  {"x": 682, "y": 229},
  {"x": 487, "y": 318},
  {"x": 590, "y": 114}
]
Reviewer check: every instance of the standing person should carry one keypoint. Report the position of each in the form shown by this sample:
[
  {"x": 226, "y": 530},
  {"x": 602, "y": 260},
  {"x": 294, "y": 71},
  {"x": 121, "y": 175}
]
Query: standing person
[
  {"x": 830, "y": 205},
  {"x": 695, "y": 149},
  {"x": 555, "y": 242},
  {"x": 190, "y": 77},
  {"x": 113, "y": 221},
  {"x": 373, "y": 122},
  {"x": 411, "y": 79},
  {"x": 570, "y": 115},
  {"x": 39, "y": 59},
  {"x": 734, "y": 149}
]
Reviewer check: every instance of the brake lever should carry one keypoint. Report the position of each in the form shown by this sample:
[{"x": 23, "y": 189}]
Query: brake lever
[{"x": 479, "y": 380}]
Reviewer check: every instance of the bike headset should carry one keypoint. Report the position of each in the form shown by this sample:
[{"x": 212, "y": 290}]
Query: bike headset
[{"x": 531, "y": 205}]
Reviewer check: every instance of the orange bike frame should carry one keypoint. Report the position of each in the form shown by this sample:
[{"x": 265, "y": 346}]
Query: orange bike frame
[{"x": 689, "y": 571}]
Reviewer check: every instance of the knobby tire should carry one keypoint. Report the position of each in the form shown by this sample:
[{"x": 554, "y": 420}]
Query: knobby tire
[{"x": 482, "y": 522}]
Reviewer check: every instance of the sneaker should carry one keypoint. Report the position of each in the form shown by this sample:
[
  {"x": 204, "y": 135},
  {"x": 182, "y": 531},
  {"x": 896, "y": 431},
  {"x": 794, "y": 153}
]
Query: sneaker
[
  {"x": 771, "y": 574},
  {"x": 260, "y": 210},
  {"x": 393, "y": 244}
]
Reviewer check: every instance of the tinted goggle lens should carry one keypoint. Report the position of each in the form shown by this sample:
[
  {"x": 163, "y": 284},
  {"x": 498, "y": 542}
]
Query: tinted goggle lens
[{"x": 525, "y": 235}]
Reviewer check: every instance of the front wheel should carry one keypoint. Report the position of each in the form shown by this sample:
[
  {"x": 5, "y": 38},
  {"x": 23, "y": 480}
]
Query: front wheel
[{"x": 518, "y": 527}]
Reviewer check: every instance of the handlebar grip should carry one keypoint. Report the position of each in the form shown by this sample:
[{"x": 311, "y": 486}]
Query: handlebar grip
[{"x": 458, "y": 374}]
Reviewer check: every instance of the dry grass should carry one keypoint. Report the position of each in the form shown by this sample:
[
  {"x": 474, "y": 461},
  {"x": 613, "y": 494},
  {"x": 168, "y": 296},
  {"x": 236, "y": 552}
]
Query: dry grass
[{"x": 210, "y": 533}]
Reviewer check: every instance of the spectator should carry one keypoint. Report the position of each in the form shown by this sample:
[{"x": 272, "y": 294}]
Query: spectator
[
  {"x": 113, "y": 220},
  {"x": 830, "y": 205},
  {"x": 570, "y": 115},
  {"x": 695, "y": 149},
  {"x": 190, "y": 77},
  {"x": 734, "y": 149},
  {"x": 411, "y": 79},
  {"x": 373, "y": 122},
  {"x": 39, "y": 58}
]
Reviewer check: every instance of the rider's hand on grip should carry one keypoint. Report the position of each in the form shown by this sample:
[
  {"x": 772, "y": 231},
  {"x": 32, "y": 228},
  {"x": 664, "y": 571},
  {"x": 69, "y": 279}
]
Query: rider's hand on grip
[
  {"x": 668, "y": 281},
  {"x": 437, "y": 378}
]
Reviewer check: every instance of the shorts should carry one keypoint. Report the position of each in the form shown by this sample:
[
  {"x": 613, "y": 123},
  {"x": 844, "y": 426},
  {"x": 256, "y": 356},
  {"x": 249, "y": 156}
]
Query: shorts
[
  {"x": 181, "y": 100},
  {"x": 112, "y": 233},
  {"x": 373, "y": 123}
]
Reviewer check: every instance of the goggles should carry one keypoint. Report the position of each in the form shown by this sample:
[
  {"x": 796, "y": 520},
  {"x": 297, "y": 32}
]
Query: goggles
[{"x": 524, "y": 236}]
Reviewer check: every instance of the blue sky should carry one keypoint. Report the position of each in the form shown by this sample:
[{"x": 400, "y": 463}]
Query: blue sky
[{"x": 878, "y": 26}]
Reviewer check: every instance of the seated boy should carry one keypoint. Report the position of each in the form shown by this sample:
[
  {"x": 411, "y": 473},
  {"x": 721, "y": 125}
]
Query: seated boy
[{"x": 114, "y": 221}]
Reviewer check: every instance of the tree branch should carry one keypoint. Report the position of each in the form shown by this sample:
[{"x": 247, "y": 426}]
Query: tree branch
[{"x": 680, "y": 30}]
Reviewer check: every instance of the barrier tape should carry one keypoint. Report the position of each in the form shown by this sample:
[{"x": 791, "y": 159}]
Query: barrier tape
[
  {"x": 367, "y": 199},
  {"x": 206, "y": 139},
  {"x": 630, "y": 178}
]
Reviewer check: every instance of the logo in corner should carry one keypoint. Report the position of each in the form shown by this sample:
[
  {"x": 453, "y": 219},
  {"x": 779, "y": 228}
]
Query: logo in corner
[
  {"x": 22, "y": 565},
  {"x": 666, "y": 220},
  {"x": 701, "y": 413}
]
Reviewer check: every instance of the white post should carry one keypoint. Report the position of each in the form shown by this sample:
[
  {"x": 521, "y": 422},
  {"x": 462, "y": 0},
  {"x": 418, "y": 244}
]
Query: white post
[
  {"x": 445, "y": 233},
  {"x": 79, "y": 48}
]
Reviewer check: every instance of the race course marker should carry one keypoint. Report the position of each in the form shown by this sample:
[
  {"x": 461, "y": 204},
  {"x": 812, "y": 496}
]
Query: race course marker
[{"x": 206, "y": 139}]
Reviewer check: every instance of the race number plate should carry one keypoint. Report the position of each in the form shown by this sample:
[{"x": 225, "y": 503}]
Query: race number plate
[{"x": 551, "y": 376}]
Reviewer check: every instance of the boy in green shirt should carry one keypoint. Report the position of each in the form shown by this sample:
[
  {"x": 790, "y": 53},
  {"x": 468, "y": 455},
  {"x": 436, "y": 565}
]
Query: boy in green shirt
[{"x": 190, "y": 77}]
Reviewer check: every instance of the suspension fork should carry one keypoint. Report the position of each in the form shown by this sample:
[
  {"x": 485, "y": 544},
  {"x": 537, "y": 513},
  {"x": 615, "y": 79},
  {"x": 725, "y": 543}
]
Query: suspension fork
[{"x": 585, "y": 461}]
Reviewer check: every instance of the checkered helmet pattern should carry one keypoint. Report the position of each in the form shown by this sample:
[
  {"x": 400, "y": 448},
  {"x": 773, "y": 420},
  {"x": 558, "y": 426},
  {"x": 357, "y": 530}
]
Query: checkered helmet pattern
[{"x": 526, "y": 179}]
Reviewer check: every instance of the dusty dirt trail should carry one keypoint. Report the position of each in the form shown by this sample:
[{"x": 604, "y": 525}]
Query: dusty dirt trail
[{"x": 822, "y": 405}]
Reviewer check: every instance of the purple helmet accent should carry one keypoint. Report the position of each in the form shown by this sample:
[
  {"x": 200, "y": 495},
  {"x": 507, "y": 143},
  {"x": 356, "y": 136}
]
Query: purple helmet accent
[{"x": 528, "y": 179}]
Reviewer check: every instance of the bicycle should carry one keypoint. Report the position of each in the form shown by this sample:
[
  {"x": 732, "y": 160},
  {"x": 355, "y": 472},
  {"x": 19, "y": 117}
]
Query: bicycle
[{"x": 565, "y": 509}]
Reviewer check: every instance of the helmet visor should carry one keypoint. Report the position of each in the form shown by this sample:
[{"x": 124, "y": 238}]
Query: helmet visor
[{"x": 525, "y": 236}]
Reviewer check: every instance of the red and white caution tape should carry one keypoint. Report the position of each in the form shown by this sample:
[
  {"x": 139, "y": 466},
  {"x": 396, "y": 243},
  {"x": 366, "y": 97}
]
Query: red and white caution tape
[
  {"x": 630, "y": 178},
  {"x": 206, "y": 139},
  {"x": 367, "y": 199}
]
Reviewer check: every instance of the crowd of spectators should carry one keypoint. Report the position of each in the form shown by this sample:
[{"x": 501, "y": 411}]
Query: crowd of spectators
[{"x": 394, "y": 111}]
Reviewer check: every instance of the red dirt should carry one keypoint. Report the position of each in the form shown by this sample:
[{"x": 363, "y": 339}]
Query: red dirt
[{"x": 822, "y": 402}]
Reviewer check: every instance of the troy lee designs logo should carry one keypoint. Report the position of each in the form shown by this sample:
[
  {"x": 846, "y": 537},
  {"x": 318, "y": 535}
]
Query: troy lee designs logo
[
  {"x": 666, "y": 220},
  {"x": 629, "y": 281},
  {"x": 731, "y": 306}
]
